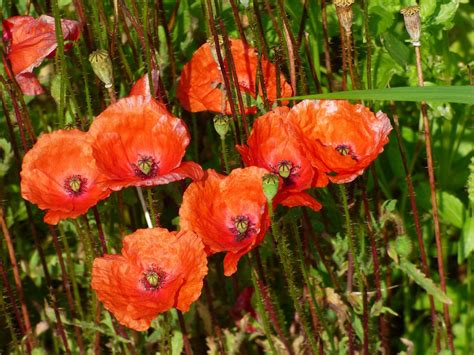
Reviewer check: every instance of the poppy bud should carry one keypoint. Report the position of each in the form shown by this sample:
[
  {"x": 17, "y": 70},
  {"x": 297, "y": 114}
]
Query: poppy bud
[
  {"x": 411, "y": 16},
  {"x": 56, "y": 88},
  {"x": 344, "y": 13},
  {"x": 221, "y": 124},
  {"x": 102, "y": 66},
  {"x": 270, "y": 186},
  {"x": 403, "y": 246}
]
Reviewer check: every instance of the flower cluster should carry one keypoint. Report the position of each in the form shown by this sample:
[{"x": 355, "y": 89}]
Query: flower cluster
[{"x": 137, "y": 142}]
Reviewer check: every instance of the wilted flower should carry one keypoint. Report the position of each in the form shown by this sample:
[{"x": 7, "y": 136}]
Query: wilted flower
[
  {"x": 59, "y": 174},
  {"x": 227, "y": 212},
  {"x": 275, "y": 146},
  {"x": 156, "y": 271},
  {"x": 30, "y": 41},
  {"x": 341, "y": 139},
  {"x": 137, "y": 142},
  {"x": 201, "y": 87}
]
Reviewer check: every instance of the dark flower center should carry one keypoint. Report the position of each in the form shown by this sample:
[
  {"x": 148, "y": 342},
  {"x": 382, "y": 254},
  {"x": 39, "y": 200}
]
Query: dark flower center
[
  {"x": 146, "y": 167},
  {"x": 75, "y": 185},
  {"x": 153, "y": 278},
  {"x": 344, "y": 150},
  {"x": 243, "y": 227}
]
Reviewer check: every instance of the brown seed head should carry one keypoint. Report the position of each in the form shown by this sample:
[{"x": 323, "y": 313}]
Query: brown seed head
[
  {"x": 411, "y": 16},
  {"x": 344, "y": 13}
]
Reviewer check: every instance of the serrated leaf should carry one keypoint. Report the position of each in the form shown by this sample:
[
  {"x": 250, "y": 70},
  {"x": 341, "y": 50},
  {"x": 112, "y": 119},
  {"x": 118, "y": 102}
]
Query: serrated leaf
[
  {"x": 456, "y": 94},
  {"x": 426, "y": 283}
]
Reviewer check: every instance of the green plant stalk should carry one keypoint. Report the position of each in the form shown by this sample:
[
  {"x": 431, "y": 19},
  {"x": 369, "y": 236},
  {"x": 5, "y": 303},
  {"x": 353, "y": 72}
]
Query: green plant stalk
[
  {"x": 6, "y": 316},
  {"x": 72, "y": 273},
  {"x": 283, "y": 253},
  {"x": 224, "y": 155},
  {"x": 87, "y": 94},
  {"x": 149, "y": 63},
  {"x": 151, "y": 208},
  {"x": 261, "y": 309},
  {"x": 60, "y": 60},
  {"x": 310, "y": 286},
  {"x": 86, "y": 243}
]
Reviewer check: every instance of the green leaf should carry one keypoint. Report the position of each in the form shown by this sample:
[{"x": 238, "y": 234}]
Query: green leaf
[
  {"x": 457, "y": 94},
  {"x": 396, "y": 48},
  {"x": 466, "y": 244},
  {"x": 417, "y": 276},
  {"x": 451, "y": 209}
]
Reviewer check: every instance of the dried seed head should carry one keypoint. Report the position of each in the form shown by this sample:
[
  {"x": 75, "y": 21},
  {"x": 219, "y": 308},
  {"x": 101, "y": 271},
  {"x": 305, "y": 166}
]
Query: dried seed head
[
  {"x": 411, "y": 16},
  {"x": 344, "y": 13},
  {"x": 102, "y": 66}
]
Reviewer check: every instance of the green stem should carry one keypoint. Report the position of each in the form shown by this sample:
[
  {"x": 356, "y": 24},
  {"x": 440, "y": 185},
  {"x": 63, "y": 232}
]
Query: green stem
[
  {"x": 150, "y": 206},
  {"x": 60, "y": 59},
  {"x": 224, "y": 154},
  {"x": 285, "y": 257},
  {"x": 72, "y": 273},
  {"x": 261, "y": 309}
]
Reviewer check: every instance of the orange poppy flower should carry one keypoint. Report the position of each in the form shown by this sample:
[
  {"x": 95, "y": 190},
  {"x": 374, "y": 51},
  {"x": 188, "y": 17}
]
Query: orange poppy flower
[
  {"x": 137, "y": 142},
  {"x": 30, "y": 41},
  {"x": 274, "y": 146},
  {"x": 59, "y": 174},
  {"x": 341, "y": 139},
  {"x": 228, "y": 212},
  {"x": 157, "y": 270},
  {"x": 142, "y": 85},
  {"x": 201, "y": 85}
]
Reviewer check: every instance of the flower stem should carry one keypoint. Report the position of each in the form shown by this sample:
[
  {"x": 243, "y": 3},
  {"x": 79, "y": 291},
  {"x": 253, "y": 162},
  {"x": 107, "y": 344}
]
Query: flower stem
[
  {"x": 285, "y": 257},
  {"x": 434, "y": 203}
]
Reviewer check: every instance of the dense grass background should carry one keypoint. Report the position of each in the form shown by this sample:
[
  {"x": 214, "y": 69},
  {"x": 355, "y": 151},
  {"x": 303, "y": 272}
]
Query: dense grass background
[{"x": 315, "y": 244}]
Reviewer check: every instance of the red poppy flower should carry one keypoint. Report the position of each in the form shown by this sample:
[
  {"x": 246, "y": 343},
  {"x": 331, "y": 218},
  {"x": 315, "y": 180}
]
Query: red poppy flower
[
  {"x": 227, "y": 212},
  {"x": 142, "y": 85},
  {"x": 156, "y": 271},
  {"x": 274, "y": 146},
  {"x": 59, "y": 174},
  {"x": 30, "y": 41},
  {"x": 201, "y": 85},
  {"x": 137, "y": 142},
  {"x": 341, "y": 139}
]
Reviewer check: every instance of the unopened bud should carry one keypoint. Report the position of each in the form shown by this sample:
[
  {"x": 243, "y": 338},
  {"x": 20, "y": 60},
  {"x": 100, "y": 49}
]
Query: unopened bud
[
  {"x": 270, "y": 186},
  {"x": 403, "y": 246},
  {"x": 56, "y": 88},
  {"x": 344, "y": 13},
  {"x": 102, "y": 66},
  {"x": 221, "y": 124},
  {"x": 411, "y": 16}
]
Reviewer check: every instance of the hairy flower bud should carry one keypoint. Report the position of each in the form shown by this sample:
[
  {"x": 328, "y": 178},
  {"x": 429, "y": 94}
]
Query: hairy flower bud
[
  {"x": 344, "y": 13},
  {"x": 221, "y": 124},
  {"x": 411, "y": 16},
  {"x": 270, "y": 186},
  {"x": 102, "y": 66}
]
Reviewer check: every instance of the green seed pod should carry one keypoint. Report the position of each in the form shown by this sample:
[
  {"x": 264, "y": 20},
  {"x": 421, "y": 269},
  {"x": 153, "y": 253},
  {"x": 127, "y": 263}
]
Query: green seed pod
[
  {"x": 270, "y": 184},
  {"x": 403, "y": 246},
  {"x": 221, "y": 124},
  {"x": 102, "y": 66}
]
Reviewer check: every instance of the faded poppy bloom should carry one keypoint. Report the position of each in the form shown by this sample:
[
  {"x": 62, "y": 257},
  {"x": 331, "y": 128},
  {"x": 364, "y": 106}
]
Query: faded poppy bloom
[
  {"x": 228, "y": 212},
  {"x": 142, "y": 85},
  {"x": 274, "y": 146},
  {"x": 59, "y": 174},
  {"x": 156, "y": 271},
  {"x": 341, "y": 139},
  {"x": 137, "y": 142},
  {"x": 30, "y": 41},
  {"x": 201, "y": 87}
]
